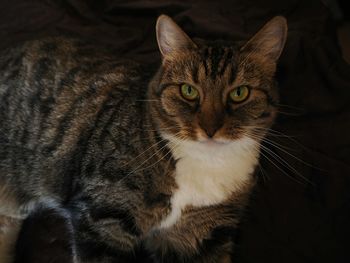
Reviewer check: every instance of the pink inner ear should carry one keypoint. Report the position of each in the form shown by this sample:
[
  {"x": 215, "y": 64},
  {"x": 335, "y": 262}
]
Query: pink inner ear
[
  {"x": 164, "y": 45},
  {"x": 270, "y": 40},
  {"x": 170, "y": 36}
]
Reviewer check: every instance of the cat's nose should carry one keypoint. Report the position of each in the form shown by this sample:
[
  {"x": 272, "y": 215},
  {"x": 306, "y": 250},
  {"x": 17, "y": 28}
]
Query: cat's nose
[
  {"x": 211, "y": 119},
  {"x": 210, "y": 131},
  {"x": 211, "y": 127}
]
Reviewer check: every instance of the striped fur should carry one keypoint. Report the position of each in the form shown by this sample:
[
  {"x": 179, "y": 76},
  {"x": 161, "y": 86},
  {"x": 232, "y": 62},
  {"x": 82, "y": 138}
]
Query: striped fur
[{"x": 95, "y": 135}]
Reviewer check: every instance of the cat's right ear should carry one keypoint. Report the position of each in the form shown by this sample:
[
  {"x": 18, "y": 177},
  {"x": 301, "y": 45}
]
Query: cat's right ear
[
  {"x": 170, "y": 36},
  {"x": 270, "y": 40}
]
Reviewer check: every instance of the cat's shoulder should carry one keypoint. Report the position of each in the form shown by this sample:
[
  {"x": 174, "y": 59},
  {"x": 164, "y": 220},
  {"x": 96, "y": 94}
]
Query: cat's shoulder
[{"x": 66, "y": 53}]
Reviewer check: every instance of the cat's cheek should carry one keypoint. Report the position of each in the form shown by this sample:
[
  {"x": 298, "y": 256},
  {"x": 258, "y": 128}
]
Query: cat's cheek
[
  {"x": 177, "y": 107},
  {"x": 231, "y": 132},
  {"x": 169, "y": 107}
]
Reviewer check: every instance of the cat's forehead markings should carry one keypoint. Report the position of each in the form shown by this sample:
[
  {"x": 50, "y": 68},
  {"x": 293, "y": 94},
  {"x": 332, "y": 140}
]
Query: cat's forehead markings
[{"x": 216, "y": 61}]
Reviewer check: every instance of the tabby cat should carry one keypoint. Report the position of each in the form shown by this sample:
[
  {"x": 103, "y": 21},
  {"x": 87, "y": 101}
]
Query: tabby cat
[{"x": 161, "y": 162}]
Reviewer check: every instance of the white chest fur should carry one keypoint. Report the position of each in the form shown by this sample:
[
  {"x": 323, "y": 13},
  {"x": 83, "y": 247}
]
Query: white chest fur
[{"x": 209, "y": 174}]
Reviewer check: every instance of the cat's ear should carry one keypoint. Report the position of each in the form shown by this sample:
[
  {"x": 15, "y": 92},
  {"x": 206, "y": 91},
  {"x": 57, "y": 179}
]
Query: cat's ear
[
  {"x": 170, "y": 36},
  {"x": 270, "y": 40}
]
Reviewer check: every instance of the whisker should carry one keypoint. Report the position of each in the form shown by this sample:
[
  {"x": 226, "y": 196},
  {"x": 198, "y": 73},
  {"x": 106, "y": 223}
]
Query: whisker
[
  {"x": 142, "y": 153},
  {"x": 280, "y": 147},
  {"x": 265, "y": 139},
  {"x": 285, "y": 163},
  {"x": 289, "y": 113},
  {"x": 277, "y": 157},
  {"x": 260, "y": 167},
  {"x": 289, "y": 106},
  {"x": 134, "y": 170},
  {"x": 139, "y": 166},
  {"x": 284, "y": 172},
  {"x": 264, "y": 175},
  {"x": 269, "y": 130},
  {"x": 152, "y": 165},
  {"x": 148, "y": 149}
]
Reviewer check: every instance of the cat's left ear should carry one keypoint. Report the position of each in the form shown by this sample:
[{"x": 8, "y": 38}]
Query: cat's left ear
[
  {"x": 270, "y": 40},
  {"x": 170, "y": 36}
]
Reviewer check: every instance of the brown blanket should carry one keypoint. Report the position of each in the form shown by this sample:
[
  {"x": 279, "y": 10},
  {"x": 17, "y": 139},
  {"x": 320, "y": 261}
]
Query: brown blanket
[{"x": 301, "y": 209}]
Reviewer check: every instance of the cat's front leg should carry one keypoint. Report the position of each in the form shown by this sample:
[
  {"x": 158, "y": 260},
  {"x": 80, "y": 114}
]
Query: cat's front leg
[
  {"x": 218, "y": 254},
  {"x": 221, "y": 254},
  {"x": 170, "y": 247},
  {"x": 9, "y": 228},
  {"x": 102, "y": 237}
]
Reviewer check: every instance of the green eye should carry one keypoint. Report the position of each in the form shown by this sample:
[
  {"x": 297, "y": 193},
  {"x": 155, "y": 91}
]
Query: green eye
[
  {"x": 189, "y": 92},
  {"x": 239, "y": 94}
]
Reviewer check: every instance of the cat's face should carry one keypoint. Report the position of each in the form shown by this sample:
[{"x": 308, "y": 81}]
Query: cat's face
[{"x": 216, "y": 94}]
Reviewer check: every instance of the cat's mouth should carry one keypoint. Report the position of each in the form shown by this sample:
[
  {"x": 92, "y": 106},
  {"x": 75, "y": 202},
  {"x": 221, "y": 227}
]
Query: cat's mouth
[{"x": 213, "y": 142}]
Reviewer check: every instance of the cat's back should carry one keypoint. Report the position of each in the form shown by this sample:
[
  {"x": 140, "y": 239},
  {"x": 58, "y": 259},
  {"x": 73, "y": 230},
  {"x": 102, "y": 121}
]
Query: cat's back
[
  {"x": 55, "y": 94},
  {"x": 54, "y": 62},
  {"x": 51, "y": 76}
]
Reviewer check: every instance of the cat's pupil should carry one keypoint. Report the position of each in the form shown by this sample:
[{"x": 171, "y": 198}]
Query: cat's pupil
[
  {"x": 238, "y": 92},
  {"x": 189, "y": 89}
]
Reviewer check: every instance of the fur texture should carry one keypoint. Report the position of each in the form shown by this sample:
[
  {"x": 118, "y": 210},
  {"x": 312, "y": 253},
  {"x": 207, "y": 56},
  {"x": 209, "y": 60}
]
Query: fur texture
[
  {"x": 209, "y": 173},
  {"x": 9, "y": 229},
  {"x": 117, "y": 147}
]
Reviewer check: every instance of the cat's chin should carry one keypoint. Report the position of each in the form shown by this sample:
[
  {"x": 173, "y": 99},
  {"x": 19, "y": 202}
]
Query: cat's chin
[{"x": 213, "y": 142}]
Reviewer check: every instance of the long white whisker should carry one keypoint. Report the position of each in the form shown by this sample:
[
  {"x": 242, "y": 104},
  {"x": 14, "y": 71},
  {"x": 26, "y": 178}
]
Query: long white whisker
[
  {"x": 277, "y": 146},
  {"x": 265, "y": 139},
  {"x": 270, "y": 131},
  {"x": 152, "y": 165},
  {"x": 148, "y": 149},
  {"x": 284, "y": 163},
  {"x": 265, "y": 156},
  {"x": 290, "y": 106},
  {"x": 159, "y": 150}
]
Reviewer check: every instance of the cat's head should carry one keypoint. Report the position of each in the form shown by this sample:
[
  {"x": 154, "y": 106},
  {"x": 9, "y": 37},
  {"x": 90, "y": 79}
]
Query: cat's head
[{"x": 215, "y": 94}]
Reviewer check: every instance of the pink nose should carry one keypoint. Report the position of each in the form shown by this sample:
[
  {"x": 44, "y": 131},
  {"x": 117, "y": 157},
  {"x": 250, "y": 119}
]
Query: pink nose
[
  {"x": 211, "y": 119},
  {"x": 210, "y": 131}
]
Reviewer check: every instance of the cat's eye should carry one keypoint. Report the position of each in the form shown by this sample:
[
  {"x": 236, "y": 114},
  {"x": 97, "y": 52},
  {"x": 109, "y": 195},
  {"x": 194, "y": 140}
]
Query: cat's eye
[
  {"x": 239, "y": 94},
  {"x": 189, "y": 92}
]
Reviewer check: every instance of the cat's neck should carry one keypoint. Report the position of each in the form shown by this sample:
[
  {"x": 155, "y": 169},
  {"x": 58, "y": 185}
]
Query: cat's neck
[{"x": 209, "y": 174}]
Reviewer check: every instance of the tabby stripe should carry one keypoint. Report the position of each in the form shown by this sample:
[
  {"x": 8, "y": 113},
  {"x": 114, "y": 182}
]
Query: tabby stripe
[
  {"x": 109, "y": 122},
  {"x": 69, "y": 116},
  {"x": 204, "y": 61},
  {"x": 233, "y": 74},
  {"x": 226, "y": 61},
  {"x": 68, "y": 80},
  {"x": 194, "y": 74},
  {"x": 216, "y": 57},
  {"x": 12, "y": 62},
  {"x": 13, "y": 75},
  {"x": 125, "y": 218},
  {"x": 210, "y": 49},
  {"x": 6, "y": 104},
  {"x": 41, "y": 69},
  {"x": 80, "y": 151},
  {"x": 4, "y": 100},
  {"x": 7, "y": 63}
]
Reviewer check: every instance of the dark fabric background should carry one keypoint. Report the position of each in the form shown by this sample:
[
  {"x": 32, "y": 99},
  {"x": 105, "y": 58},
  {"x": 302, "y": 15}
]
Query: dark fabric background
[{"x": 298, "y": 214}]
